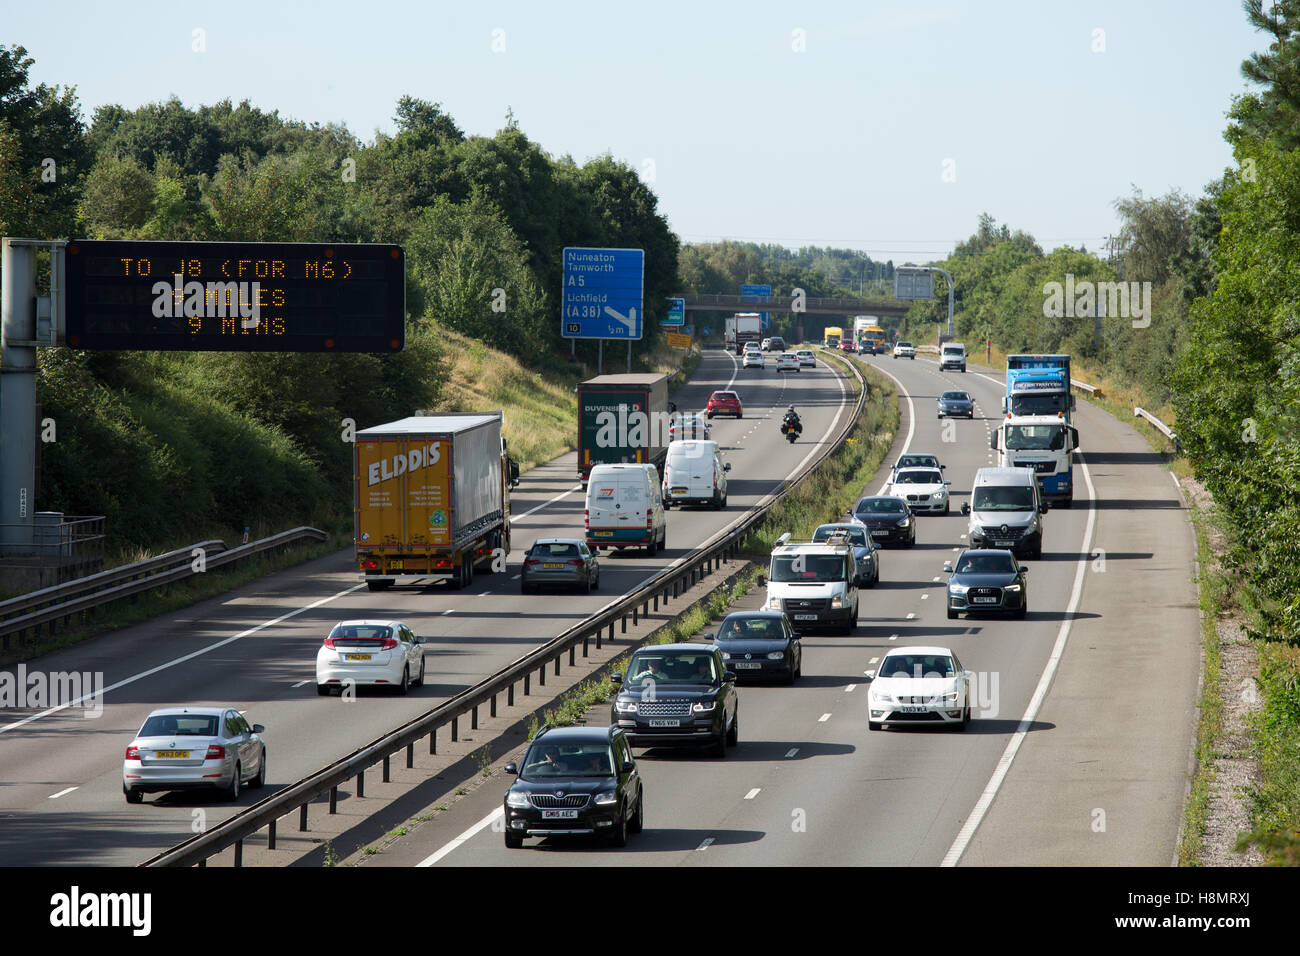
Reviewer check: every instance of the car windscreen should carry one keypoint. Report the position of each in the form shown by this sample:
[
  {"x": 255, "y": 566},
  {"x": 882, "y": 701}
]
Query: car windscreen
[
  {"x": 986, "y": 564},
  {"x": 181, "y": 725},
  {"x": 879, "y": 506},
  {"x": 807, "y": 568},
  {"x": 856, "y": 536},
  {"x": 664, "y": 668},
  {"x": 567, "y": 760},
  {"x": 918, "y": 666},
  {"x": 956, "y": 397},
  {"x": 1035, "y": 437},
  {"x": 919, "y": 477},
  {"x": 918, "y": 461},
  {"x": 1003, "y": 498},
  {"x": 751, "y": 629}
]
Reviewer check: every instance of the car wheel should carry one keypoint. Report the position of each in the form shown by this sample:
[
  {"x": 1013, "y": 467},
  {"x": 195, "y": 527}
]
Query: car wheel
[
  {"x": 798, "y": 668},
  {"x": 405, "y": 686},
  {"x": 911, "y": 542},
  {"x": 323, "y": 690},
  {"x": 514, "y": 841},
  {"x": 379, "y": 585},
  {"x": 419, "y": 681},
  {"x": 872, "y": 725},
  {"x": 618, "y": 836},
  {"x": 733, "y": 735},
  {"x": 596, "y": 583},
  {"x": 947, "y": 507},
  {"x": 586, "y": 585},
  {"x": 952, "y": 615},
  {"x": 638, "y": 821},
  {"x": 260, "y": 780},
  {"x": 790, "y": 676},
  {"x": 1024, "y": 609},
  {"x": 965, "y": 719},
  {"x": 231, "y": 792},
  {"x": 132, "y": 796}
]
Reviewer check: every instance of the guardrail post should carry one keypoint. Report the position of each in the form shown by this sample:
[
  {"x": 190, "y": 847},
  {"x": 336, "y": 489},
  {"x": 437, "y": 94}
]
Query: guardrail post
[
  {"x": 573, "y": 659},
  {"x": 510, "y": 695},
  {"x": 541, "y": 676},
  {"x": 270, "y": 836},
  {"x": 410, "y": 755},
  {"x": 611, "y": 631},
  {"x": 473, "y": 718},
  {"x": 455, "y": 729},
  {"x": 634, "y": 616},
  {"x": 586, "y": 644},
  {"x": 557, "y": 665},
  {"x": 623, "y": 629},
  {"x": 656, "y": 603},
  {"x": 239, "y": 853},
  {"x": 528, "y": 679},
  {"x": 334, "y": 799},
  {"x": 598, "y": 633},
  {"x": 361, "y": 783},
  {"x": 386, "y": 780},
  {"x": 203, "y": 863},
  {"x": 302, "y": 819},
  {"x": 493, "y": 711},
  {"x": 433, "y": 741}
]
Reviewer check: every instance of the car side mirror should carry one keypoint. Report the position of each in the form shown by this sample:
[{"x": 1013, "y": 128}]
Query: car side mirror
[
  {"x": 1042, "y": 508},
  {"x": 511, "y": 767},
  {"x": 258, "y": 729},
  {"x": 965, "y": 507},
  {"x": 729, "y": 677},
  {"x": 947, "y": 569},
  {"x": 1023, "y": 569},
  {"x": 993, "y": 441},
  {"x": 708, "y": 637},
  {"x": 947, "y": 482},
  {"x": 672, "y": 406},
  {"x": 616, "y": 678},
  {"x": 726, "y": 467},
  {"x": 628, "y": 766},
  {"x": 423, "y": 640}
]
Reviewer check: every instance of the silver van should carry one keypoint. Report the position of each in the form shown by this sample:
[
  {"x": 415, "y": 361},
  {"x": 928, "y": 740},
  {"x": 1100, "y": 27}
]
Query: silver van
[{"x": 1006, "y": 510}]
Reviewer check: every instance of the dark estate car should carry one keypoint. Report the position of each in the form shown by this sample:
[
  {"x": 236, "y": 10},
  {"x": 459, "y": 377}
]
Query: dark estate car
[
  {"x": 888, "y": 518},
  {"x": 956, "y": 404},
  {"x": 678, "y": 695},
  {"x": 566, "y": 562},
  {"x": 760, "y": 644},
  {"x": 865, "y": 551},
  {"x": 575, "y": 781},
  {"x": 987, "y": 579}
]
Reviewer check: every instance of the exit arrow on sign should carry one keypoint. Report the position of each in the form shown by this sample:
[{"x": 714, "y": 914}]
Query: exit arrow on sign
[{"x": 629, "y": 320}]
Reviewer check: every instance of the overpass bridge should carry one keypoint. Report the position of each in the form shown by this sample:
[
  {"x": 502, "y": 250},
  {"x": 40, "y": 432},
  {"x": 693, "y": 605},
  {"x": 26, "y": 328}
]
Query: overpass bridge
[{"x": 779, "y": 304}]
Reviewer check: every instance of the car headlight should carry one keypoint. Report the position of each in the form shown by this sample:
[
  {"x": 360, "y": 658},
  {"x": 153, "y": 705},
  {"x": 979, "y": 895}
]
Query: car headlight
[
  {"x": 517, "y": 799},
  {"x": 606, "y": 798},
  {"x": 774, "y": 604},
  {"x": 950, "y": 698},
  {"x": 954, "y": 588},
  {"x": 1012, "y": 587},
  {"x": 904, "y": 523},
  {"x": 625, "y": 706},
  {"x": 726, "y": 656},
  {"x": 704, "y": 707},
  {"x": 776, "y": 656},
  {"x": 837, "y": 602}
]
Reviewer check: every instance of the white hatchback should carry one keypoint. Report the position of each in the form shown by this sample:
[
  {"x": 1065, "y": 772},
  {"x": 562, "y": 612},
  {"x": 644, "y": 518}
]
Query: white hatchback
[
  {"x": 787, "y": 362},
  {"x": 807, "y": 358},
  {"x": 752, "y": 358},
  {"x": 923, "y": 685},
  {"x": 378, "y": 653}
]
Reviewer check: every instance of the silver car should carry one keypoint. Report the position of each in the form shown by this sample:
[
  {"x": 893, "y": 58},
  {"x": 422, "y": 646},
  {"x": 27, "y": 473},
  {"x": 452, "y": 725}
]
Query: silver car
[
  {"x": 193, "y": 748},
  {"x": 565, "y": 562}
]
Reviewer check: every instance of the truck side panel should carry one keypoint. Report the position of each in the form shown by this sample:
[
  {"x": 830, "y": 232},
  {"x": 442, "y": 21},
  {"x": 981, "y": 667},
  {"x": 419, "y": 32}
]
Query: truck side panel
[
  {"x": 476, "y": 494},
  {"x": 604, "y": 427}
]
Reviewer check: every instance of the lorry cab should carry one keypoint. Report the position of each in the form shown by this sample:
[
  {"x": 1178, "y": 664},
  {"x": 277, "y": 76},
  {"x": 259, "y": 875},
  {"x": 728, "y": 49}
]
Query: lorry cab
[
  {"x": 694, "y": 474},
  {"x": 1044, "y": 444},
  {"x": 625, "y": 508}
]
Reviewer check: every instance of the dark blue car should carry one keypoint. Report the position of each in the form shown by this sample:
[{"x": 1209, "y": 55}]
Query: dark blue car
[{"x": 956, "y": 404}]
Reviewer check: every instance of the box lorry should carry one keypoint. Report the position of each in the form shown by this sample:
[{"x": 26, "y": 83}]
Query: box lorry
[
  {"x": 432, "y": 498},
  {"x": 1038, "y": 385},
  {"x": 623, "y": 419},
  {"x": 749, "y": 328}
]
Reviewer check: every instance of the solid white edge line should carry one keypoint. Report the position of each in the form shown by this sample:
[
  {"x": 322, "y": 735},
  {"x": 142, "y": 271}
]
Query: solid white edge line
[
  {"x": 972, "y": 823},
  {"x": 911, "y": 420},
  {"x": 465, "y": 837},
  {"x": 545, "y": 504},
  {"x": 183, "y": 659}
]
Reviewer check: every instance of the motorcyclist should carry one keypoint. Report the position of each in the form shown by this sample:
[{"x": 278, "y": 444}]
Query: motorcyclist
[{"x": 792, "y": 418}]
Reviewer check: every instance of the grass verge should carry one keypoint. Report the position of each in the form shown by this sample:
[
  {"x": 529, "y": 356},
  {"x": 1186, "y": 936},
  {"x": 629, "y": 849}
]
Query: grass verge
[{"x": 1275, "y": 798}]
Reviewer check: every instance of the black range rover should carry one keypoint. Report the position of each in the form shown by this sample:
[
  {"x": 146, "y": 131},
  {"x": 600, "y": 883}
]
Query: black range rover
[
  {"x": 678, "y": 695},
  {"x": 575, "y": 781}
]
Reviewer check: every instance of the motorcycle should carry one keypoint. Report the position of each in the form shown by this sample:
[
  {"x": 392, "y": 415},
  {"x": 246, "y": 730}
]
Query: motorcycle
[{"x": 791, "y": 430}]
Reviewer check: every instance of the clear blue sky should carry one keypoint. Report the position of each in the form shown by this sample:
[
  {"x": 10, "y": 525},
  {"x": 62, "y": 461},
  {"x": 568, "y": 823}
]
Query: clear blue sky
[{"x": 841, "y": 144}]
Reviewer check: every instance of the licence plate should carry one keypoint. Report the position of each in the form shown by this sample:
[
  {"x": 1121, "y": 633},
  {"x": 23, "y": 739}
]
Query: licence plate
[
  {"x": 602, "y": 534},
  {"x": 396, "y": 566},
  {"x": 741, "y": 666},
  {"x": 172, "y": 754},
  {"x": 914, "y": 710},
  {"x": 680, "y": 491},
  {"x": 805, "y": 617},
  {"x": 559, "y": 814},
  {"x": 356, "y": 657},
  {"x": 1004, "y": 544},
  {"x": 984, "y": 600},
  {"x": 665, "y": 723},
  {"x": 552, "y": 565}
]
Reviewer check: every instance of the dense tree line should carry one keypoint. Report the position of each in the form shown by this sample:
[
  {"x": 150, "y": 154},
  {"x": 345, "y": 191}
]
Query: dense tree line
[{"x": 483, "y": 220}]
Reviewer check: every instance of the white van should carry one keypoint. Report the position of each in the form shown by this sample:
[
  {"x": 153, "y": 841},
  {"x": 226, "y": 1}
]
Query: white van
[
  {"x": 625, "y": 508},
  {"x": 814, "y": 583},
  {"x": 1006, "y": 510},
  {"x": 695, "y": 475},
  {"x": 952, "y": 355}
]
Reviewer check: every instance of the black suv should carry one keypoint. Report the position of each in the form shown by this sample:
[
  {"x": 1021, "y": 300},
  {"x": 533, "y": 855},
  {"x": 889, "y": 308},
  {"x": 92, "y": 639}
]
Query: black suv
[
  {"x": 678, "y": 695},
  {"x": 575, "y": 781}
]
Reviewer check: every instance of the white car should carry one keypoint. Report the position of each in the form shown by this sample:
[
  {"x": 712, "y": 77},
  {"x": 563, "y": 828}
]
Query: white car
[
  {"x": 919, "y": 685},
  {"x": 905, "y": 350},
  {"x": 379, "y": 653},
  {"x": 922, "y": 488},
  {"x": 787, "y": 362},
  {"x": 753, "y": 358},
  {"x": 689, "y": 425},
  {"x": 806, "y": 358},
  {"x": 194, "y": 748}
]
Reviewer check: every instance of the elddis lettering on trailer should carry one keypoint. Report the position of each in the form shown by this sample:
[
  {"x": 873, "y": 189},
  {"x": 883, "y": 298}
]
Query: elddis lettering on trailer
[{"x": 411, "y": 460}]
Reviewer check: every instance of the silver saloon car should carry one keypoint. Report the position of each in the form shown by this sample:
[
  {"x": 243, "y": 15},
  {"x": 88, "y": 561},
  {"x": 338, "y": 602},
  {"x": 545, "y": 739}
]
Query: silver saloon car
[{"x": 194, "y": 748}]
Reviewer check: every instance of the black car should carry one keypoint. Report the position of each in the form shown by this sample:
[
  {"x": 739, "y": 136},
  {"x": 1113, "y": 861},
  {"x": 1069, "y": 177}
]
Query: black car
[
  {"x": 865, "y": 551},
  {"x": 888, "y": 518},
  {"x": 987, "y": 579},
  {"x": 575, "y": 781},
  {"x": 678, "y": 695},
  {"x": 760, "y": 644},
  {"x": 956, "y": 404}
]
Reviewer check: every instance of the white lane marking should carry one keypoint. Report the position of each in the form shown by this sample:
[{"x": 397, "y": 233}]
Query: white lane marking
[
  {"x": 753, "y": 793},
  {"x": 450, "y": 610},
  {"x": 874, "y": 660},
  {"x": 546, "y": 503},
  {"x": 823, "y": 718},
  {"x": 62, "y": 793},
  {"x": 485, "y": 594},
  {"x": 1040, "y": 693},
  {"x": 792, "y": 751},
  {"x": 465, "y": 837},
  {"x": 911, "y": 616},
  {"x": 181, "y": 660},
  {"x": 708, "y": 841},
  {"x": 300, "y": 684},
  {"x": 1177, "y": 484},
  {"x": 924, "y": 596},
  {"x": 850, "y": 689},
  {"x": 936, "y": 577},
  {"x": 893, "y": 637},
  {"x": 955, "y": 550},
  {"x": 515, "y": 577}
]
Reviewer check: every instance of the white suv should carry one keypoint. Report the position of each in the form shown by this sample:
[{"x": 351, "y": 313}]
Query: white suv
[{"x": 904, "y": 350}]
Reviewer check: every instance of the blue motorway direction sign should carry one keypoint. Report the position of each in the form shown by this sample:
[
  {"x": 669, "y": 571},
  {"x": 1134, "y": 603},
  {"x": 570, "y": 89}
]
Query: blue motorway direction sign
[
  {"x": 757, "y": 290},
  {"x": 602, "y": 291},
  {"x": 676, "y": 312}
]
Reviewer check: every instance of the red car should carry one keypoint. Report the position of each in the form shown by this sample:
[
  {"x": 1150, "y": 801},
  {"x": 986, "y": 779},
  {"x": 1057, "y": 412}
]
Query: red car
[
  {"x": 724, "y": 403},
  {"x": 848, "y": 346}
]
